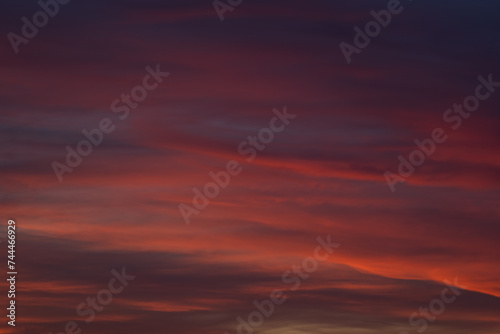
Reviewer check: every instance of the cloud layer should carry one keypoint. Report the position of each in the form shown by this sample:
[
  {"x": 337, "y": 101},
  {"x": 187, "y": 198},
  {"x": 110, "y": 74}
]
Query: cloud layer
[{"x": 323, "y": 175}]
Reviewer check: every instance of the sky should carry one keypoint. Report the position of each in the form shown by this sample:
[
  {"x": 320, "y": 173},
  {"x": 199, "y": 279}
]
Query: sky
[{"x": 127, "y": 206}]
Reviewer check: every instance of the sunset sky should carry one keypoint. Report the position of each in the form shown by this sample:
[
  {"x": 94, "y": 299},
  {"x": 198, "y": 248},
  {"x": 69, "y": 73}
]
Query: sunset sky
[{"x": 322, "y": 175}]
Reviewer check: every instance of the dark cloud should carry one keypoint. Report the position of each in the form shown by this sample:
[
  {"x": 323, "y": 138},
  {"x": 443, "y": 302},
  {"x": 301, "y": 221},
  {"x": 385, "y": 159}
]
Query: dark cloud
[{"x": 322, "y": 175}]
